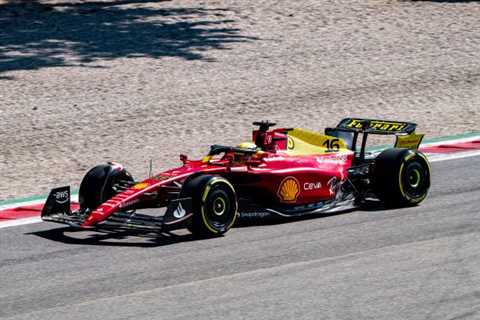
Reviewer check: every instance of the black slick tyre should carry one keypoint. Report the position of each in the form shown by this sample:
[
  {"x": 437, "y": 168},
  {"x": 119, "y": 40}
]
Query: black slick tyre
[
  {"x": 214, "y": 205},
  {"x": 98, "y": 185},
  {"x": 401, "y": 177}
]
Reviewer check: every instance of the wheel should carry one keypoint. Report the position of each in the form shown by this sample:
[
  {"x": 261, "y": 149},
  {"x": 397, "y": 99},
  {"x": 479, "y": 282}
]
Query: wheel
[
  {"x": 99, "y": 185},
  {"x": 214, "y": 204},
  {"x": 401, "y": 177}
]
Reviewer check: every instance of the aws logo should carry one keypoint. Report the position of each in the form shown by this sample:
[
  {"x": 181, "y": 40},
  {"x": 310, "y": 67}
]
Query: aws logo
[
  {"x": 289, "y": 190},
  {"x": 62, "y": 197}
]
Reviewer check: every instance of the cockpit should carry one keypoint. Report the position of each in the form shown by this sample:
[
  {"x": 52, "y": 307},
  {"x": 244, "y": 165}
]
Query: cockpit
[{"x": 282, "y": 141}]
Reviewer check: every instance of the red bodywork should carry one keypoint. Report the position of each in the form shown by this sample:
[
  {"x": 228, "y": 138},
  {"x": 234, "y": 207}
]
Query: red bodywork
[{"x": 272, "y": 177}]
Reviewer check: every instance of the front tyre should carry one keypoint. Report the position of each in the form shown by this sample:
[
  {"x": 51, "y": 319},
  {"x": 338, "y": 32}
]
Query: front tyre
[
  {"x": 100, "y": 184},
  {"x": 214, "y": 204},
  {"x": 401, "y": 177}
]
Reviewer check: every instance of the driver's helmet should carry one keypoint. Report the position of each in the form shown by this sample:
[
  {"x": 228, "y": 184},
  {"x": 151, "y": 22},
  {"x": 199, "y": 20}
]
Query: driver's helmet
[
  {"x": 239, "y": 156},
  {"x": 247, "y": 145}
]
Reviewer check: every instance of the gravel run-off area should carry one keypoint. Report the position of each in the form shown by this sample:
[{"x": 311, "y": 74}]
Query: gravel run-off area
[{"x": 85, "y": 82}]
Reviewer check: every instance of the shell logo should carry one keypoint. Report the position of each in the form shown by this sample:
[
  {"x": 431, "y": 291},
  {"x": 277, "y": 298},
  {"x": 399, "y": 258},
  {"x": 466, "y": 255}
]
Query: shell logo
[{"x": 289, "y": 190}]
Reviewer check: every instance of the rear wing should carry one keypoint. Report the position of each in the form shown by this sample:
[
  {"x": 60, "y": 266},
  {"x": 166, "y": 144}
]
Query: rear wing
[
  {"x": 349, "y": 129},
  {"x": 376, "y": 126}
]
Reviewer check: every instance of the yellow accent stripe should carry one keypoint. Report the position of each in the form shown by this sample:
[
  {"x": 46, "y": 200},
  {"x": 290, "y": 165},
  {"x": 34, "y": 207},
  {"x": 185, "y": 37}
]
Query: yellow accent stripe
[{"x": 305, "y": 142}]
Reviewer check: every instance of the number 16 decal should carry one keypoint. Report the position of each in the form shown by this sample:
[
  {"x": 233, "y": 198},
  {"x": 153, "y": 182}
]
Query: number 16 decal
[{"x": 332, "y": 145}]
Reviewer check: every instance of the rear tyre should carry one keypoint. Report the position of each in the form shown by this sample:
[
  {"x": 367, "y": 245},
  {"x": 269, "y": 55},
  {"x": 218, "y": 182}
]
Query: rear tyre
[
  {"x": 401, "y": 177},
  {"x": 214, "y": 204},
  {"x": 99, "y": 185}
]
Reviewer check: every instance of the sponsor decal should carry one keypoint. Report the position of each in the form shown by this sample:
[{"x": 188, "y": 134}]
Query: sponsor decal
[
  {"x": 239, "y": 169},
  {"x": 312, "y": 185},
  {"x": 378, "y": 125},
  {"x": 254, "y": 214},
  {"x": 268, "y": 140},
  {"x": 332, "y": 145},
  {"x": 128, "y": 203},
  {"x": 179, "y": 212},
  {"x": 290, "y": 143},
  {"x": 61, "y": 197},
  {"x": 161, "y": 177},
  {"x": 140, "y": 186},
  {"x": 334, "y": 158},
  {"x": 333, "y": 185},
  {"x": 289, "y": 190},
  {"x": 355, "y": 124}
]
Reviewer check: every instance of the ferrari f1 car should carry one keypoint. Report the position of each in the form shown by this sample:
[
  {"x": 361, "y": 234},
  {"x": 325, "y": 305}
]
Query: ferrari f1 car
[{"x": 284, "y": 171}]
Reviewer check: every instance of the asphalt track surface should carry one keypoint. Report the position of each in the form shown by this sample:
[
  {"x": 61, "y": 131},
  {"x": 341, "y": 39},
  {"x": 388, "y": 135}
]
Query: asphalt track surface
[{"x": 414, "y": 263}]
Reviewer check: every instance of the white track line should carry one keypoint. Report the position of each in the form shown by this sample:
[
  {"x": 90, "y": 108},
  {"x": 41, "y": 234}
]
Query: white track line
[
  {"x": 19, "y": 222},
  {"x": 22, "y": 204},
  {"x": 437, "y": 157},
  {"x": 23, "y": 221},
  {"x": 74, "y": 198},
  {"x": 450, "y": 142}
]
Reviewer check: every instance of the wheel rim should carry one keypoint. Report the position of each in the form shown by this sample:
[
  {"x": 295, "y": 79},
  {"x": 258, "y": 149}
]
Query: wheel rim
[
  {"x": 415, "y": 180},
  {"x": 219, "y": 206}
]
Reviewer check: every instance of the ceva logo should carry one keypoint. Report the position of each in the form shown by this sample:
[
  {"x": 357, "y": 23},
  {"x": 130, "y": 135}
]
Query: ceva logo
[{"x": 312, "y": 185}]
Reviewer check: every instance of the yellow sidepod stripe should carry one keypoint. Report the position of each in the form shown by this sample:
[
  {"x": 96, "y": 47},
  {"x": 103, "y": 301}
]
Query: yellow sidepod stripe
[
  {"x": 204, "y": 198},
  {"x": 305, "y": 142}
]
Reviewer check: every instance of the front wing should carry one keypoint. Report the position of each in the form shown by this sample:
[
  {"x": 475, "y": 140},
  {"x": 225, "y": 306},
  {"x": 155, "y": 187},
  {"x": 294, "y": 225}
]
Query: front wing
[{"x": 57, "y": 209}]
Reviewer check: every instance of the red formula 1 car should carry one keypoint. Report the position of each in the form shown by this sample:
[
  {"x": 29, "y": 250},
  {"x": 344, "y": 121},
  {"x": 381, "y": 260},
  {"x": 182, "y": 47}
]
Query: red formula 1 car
[{"x": 286, "y": 171}]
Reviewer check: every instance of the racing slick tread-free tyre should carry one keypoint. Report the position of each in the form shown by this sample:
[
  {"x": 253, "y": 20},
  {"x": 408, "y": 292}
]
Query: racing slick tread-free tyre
[
  {"x": 401, "y": 177},
  {"x": 98, "y": 185},
  {"x": 214, "y": 205}
]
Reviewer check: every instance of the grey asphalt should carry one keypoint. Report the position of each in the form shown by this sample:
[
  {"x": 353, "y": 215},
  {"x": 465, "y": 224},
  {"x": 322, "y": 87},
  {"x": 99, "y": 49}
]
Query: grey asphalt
[{"x": 414, "y": 263}]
